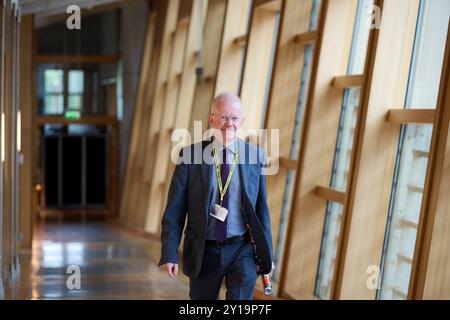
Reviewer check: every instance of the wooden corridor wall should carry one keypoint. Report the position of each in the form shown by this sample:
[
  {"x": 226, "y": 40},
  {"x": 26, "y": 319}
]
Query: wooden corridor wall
[{"x": 289, "y": 62}]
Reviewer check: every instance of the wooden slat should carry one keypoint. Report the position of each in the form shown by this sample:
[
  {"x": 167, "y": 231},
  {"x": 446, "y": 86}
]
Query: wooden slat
[
  {"x": 76, "y": 59},
  {"x": 405, "y": 116},
  {"x": 346, "y": 82},
  {"x": 420, "y": 154},
  {"x": 430, "y": 274},
  {"x": 241, "y": 40},
  {"x": 270, "y": 5},
  {"x": 330, "y": 194},
  {"x": 404, "y": 258},
  {"x": 288, "y": 163},
  {"x": 413, "y": 188},
  {"x": 405, "y": 223},
  {"x": 306, "y": 38}
]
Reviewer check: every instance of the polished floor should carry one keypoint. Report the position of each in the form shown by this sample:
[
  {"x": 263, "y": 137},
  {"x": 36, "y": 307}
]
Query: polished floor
[{"x": 95, "y": 260}]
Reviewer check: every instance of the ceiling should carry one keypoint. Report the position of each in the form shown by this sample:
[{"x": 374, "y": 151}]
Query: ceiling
[
  {"x": 50, "y": 7},
  {"x": 46, "y": 11}
]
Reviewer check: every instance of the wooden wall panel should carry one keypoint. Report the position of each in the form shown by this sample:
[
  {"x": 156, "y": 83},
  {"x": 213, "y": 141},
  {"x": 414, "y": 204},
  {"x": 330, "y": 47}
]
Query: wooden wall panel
[
  {"x": 231, "y": 55},
  {"x": 430, "y": 276},
  {"x": 257, "y": 66},
  {"x": 162, "y": 157},
  {"x": 140, "y": 119},
  {"x": 167, "y": 20},
  {"x": 26, "y": 106},
  {"x": 287, "y": 72},
  {"x": 187, "y": 85},
  {"x": 375, "y": 168},
  {"x": 316, "y": 156},
  {"x": 204, "y": 91}
]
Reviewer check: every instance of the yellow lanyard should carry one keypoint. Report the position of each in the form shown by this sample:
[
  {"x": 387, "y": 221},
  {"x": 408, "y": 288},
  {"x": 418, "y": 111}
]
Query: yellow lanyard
[{"x": 223, "y": 189}]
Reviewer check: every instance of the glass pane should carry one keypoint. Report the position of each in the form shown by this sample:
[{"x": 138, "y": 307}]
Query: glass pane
[
  {"x": 314, "y": 20},
  {"x": 344, "y": 143},
  {"x": 404, "y": 212},
  {"x": 360, "y": 39},
  {"x": 428, "y": 54},
  {"x": 53, "y": 104},
  {"x": 329, "y": 247},
  {"x": 76, "y": 81},
  {"x": 341, "y": 166},
  {"x": 54, "y": 81},
  {"x": 75, "y": 101}
]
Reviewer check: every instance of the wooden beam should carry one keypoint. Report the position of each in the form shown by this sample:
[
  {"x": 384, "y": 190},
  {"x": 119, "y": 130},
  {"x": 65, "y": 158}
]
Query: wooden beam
[
  {"x": 330, "y": 194},
  {"x": 306, "y": 38},
  {"x": 241, "y": 40},
  {"x": 430, "y": 275},
  {"x": 405, "y": 116},
  {"x": 270, "y": 5},
  {"x": 101, "y": 59},
  {"x": 346, "y": 82},
  {"x": 288, "y": 163}
]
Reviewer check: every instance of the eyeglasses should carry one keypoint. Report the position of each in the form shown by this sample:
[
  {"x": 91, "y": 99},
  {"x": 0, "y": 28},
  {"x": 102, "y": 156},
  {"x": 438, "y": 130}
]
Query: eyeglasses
[{"x": 224, "y": 119}]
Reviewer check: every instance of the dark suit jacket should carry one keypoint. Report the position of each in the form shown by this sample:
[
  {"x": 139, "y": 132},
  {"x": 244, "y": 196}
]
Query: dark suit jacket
[{"x": 191, "y": 193}]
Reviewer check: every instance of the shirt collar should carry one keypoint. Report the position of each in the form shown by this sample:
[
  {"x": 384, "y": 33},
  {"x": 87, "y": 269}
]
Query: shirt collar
[{"x": 231, "y": 146}]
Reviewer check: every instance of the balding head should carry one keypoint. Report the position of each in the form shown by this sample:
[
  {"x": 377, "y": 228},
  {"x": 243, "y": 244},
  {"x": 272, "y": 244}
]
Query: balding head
[
  {"x": 227, "y": 115},
  {"x": 226, "y": 99}
]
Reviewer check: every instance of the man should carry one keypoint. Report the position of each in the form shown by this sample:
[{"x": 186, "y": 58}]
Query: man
[{"x": 228, "y": 232}]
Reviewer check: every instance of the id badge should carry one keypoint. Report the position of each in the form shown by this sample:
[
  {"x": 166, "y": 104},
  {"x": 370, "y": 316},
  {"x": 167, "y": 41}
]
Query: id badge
[{"x": 219, "y": 212}]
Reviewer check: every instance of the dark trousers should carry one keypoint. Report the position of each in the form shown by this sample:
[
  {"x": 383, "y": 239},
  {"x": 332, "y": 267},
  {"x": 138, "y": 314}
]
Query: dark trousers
[{"x": 235, "y": 263}]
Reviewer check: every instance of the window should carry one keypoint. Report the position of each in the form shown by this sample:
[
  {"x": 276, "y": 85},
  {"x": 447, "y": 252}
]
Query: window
[
  {"x": 414, "y": 145},
  {"x": 56, "y": 96},
  {"x": 76, "y": 82},
  {"x": 54, "y": 91},
  {"x": 67, "y": 87}
]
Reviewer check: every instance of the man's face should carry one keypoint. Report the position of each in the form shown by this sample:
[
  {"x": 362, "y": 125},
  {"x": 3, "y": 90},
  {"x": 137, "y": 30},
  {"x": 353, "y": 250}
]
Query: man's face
[{"x": 228, "y": 119}]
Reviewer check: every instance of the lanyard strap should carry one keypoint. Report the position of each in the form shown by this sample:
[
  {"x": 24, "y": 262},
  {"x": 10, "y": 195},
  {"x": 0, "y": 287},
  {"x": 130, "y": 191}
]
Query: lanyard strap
[{"x": 223, "y": 189}]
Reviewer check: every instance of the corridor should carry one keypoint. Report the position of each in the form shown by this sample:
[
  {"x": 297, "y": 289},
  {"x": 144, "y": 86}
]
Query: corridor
[{"x": 113, "y": 264}]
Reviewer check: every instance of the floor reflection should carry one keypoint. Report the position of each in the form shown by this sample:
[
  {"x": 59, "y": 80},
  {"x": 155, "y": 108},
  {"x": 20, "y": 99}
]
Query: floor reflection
[{"x": 112, "y": 264}]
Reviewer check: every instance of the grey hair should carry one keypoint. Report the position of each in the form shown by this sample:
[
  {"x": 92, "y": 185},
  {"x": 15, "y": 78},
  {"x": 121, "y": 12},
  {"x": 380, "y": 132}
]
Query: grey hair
[{"x": 228, "y": 98}]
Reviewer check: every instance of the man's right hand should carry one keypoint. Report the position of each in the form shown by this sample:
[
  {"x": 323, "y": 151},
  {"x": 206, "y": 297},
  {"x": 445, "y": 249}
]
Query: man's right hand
[{"x": 171, "y": 268}]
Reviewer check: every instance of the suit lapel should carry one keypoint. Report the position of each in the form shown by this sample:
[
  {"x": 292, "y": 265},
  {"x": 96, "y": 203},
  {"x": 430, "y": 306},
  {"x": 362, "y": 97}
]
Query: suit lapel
[
  {"x": 207, "y": 171},
  {"x": 243, "y": 167}
]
